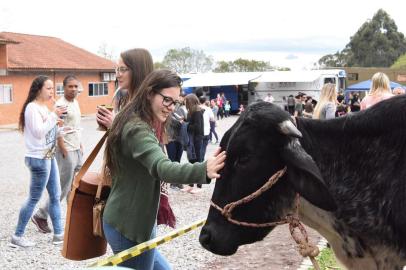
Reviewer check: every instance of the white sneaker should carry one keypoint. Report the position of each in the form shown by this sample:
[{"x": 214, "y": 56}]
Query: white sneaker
[
  {"x": 58, "y": 239},
  {"x": 19, "y": 241}
]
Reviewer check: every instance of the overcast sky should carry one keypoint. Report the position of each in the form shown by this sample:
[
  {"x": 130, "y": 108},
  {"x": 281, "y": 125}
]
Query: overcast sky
[{"x": 292, "y": 33}]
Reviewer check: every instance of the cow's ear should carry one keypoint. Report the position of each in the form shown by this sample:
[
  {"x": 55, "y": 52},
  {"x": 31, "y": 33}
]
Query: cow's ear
[{"x": 305, "y": 177}]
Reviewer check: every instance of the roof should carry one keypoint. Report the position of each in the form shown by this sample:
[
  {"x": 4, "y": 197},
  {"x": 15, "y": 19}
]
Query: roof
[
  {"x": 43, "y": 52},
  {"x": 366, "y": 85},
  {"x": 294, "y": 76},
  {"x": 219, "y": 79}
]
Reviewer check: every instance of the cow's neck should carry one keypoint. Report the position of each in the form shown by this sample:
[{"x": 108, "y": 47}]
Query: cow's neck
[
  {"x": 347, "y": 249},
  {"x": 323, "y": 143}
]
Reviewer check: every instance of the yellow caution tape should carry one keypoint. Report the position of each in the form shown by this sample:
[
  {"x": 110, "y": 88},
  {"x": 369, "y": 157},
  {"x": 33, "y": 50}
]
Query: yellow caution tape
[{"x": 153, "y": 243}]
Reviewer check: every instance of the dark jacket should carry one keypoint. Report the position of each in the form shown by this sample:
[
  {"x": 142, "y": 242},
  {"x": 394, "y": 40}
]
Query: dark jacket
[{"x": 195, "y": 126}]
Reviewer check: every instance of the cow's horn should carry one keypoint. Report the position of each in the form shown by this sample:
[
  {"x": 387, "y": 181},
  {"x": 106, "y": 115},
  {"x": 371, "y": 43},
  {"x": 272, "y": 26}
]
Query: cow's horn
[{"x": 288, "y": 128}]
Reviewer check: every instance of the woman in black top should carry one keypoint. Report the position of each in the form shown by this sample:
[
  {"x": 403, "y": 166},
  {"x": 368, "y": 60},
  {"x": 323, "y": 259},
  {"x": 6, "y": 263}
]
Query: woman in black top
[{"x": 195, "y": 131}]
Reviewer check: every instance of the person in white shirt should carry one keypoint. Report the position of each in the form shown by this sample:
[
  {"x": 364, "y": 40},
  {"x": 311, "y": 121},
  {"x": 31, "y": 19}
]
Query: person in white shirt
[
  {"x": 40, "y": 127},
  {"x": 69, "y": 151},
  {"x": 207, "y": 117},
  {"x": 269, "y": 98}
]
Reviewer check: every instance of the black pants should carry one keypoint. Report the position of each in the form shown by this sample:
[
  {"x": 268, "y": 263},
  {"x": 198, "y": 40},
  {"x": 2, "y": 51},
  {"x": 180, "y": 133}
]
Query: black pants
[
  {"x": 175, "y": 151},
  {"x": 197, "y": 142}
]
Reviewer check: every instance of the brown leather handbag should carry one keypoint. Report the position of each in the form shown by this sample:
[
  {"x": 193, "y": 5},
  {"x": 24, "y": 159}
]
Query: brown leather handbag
[{"x": 80, "y": 242}]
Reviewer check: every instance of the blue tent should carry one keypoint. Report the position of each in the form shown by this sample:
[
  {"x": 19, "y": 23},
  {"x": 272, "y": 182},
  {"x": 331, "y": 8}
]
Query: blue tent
[{"x": 366, "y": 85}]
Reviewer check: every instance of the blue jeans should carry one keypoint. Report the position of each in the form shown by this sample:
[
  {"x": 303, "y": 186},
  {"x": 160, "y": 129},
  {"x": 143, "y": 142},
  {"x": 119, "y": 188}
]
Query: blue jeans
[
  {"x": 44, "y": 174},
  {"x": 213, "y": 131},
  {"x": 148, "y": 260}
]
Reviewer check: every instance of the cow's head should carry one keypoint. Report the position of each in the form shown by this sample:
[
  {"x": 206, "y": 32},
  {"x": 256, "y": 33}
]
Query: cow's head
[{"x": 262, "y": 141}]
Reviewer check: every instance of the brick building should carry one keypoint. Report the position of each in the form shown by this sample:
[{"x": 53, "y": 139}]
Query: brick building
[{"x": 23, "y": 57}]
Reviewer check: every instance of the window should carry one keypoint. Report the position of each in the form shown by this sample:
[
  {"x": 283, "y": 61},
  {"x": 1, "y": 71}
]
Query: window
[
  {"x": 108, "y": 77},
  {"x": 330, "y": 80},
  {"x": 287, "y": 84},
  {"x": 352, "y": 76},
  {"x": 98, "y": 89},
  {"x": 59, "y": 89},
  {"x": 6, "y": 93}
]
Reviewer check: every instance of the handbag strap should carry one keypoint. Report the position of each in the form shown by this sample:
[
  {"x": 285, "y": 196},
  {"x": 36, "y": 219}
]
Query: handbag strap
[{"x": 88, "y": 161}]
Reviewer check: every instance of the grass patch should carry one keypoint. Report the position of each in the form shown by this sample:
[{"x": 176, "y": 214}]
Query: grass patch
[{"x": 327, "y": 260}]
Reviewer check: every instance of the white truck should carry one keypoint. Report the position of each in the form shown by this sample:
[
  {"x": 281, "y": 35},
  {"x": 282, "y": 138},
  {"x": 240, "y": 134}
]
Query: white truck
[{"x": 281, "y": 84}]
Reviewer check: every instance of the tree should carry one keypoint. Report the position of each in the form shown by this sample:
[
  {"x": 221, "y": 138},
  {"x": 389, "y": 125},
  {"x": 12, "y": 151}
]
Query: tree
[
  {"x": 187, "y": 60},
  {"x": 242, "y": 65},
  {"x": 377, "y": 43},
  {"x": 159, "y": 65},
  {"x": 339, "y": 59},
  {"x": 400, "y": 63},
  {"x": 105, "y": 51}
]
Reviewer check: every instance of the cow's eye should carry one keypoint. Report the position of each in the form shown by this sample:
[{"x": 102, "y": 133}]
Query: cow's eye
[{"x": 242, "y": 160}]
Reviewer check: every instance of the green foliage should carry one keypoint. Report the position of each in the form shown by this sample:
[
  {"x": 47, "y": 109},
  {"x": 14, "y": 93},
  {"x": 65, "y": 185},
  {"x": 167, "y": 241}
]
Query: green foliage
[
  {"x": 339, "y": 59},
  {"x": 159, "y": 65},
  {"x": 187, "y": 60},
  {"x": 243, "y": 65},
  {"x": 400, "y": 63},
  {"x": 377, "y": 43},
  {"x": 326, "y": 260}
]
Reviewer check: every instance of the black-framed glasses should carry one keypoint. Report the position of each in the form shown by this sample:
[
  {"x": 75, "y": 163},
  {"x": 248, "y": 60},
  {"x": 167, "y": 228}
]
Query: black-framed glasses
[
  {"x": 168, "y": 101},
  {"x": 121, "y": 70}
]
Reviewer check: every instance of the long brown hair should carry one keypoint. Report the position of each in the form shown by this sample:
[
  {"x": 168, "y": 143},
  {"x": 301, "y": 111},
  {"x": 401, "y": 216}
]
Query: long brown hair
[
  {"x": 35, "y": 88},
  {"x": 139, "y": 106},
  {"x": 140, "y": 64},
  {"x": 192, "y": 104}
]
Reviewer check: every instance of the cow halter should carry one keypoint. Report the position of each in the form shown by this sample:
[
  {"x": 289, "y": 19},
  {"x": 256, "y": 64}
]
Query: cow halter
[
  {"x": 226, "y": 210},
  {"x": 305, "y": 248}
]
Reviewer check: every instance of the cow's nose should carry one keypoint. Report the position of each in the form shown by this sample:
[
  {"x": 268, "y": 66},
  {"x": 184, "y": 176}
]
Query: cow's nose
[{"x": 204, "y": 238}]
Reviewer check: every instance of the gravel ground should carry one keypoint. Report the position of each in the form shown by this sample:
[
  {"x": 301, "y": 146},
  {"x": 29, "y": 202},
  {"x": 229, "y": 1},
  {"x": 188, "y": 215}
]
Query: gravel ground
[{"x": 183, "y": 252}]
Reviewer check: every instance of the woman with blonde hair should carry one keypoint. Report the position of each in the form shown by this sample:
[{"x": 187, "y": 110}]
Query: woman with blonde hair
[
  {"x": 380, "y": 90},
  {"x": 326, "y": 107}
]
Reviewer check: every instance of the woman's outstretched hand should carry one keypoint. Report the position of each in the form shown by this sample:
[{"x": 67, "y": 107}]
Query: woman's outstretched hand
[{"x": 215, "y": 163}]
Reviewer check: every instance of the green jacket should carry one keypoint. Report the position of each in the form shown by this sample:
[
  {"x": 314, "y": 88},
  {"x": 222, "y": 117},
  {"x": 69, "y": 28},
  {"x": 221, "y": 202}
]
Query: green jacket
[{"x": 133, "y": 202}]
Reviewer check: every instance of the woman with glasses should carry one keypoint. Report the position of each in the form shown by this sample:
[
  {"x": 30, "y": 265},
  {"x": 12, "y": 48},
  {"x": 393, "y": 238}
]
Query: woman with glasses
[
  {"x": 132, "y": 68},
  {"x": 137, "y": 164}
]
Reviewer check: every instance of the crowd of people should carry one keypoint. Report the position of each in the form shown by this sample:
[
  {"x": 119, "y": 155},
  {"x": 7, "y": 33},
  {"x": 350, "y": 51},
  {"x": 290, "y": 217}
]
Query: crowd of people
[
  {"x": 150, "y": 127},
  {"x": 333, "y": 104},
  {"x": 152, "y": 123}
]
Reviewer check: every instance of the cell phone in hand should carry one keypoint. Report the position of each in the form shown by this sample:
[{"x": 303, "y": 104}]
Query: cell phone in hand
[{"x": 178, "y": 116}]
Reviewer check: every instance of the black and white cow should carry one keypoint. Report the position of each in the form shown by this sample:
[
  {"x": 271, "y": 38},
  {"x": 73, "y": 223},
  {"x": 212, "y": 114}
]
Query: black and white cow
[{"x": 350, "y": 173}]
